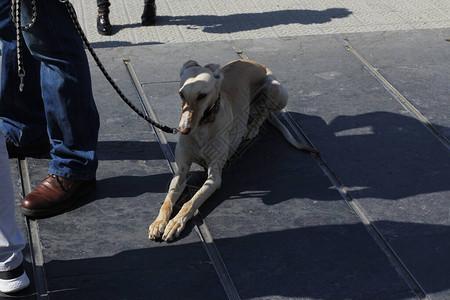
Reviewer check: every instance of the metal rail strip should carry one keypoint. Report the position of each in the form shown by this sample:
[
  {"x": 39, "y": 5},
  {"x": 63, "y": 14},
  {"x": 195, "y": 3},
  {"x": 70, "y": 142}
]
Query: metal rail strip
[
  {"x": 37, "y": 257},
  {"x": 395, "y": 93},
  {"x": 393, "y": 258},
  {"x": 373, "y": 231},
  {"x": 200, "y": 225}
]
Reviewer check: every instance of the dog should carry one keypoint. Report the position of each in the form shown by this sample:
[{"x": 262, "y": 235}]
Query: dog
[{"x": 221, "y": 107}]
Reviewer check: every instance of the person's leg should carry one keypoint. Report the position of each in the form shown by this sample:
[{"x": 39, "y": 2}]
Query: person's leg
[
  {"x": 22, "y": 113},
  {"x": 71, "y": 113},
  {"x": 103, "y": 25},
  {"x": 149, "y": 14},
  {"x": 12, "y": 276},
  {"x": 103, "y": 6}
]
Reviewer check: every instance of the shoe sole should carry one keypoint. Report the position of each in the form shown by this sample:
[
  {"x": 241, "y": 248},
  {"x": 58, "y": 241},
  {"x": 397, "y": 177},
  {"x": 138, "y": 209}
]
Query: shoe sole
[
  {"x": 104, "y": 32},
  {"x": 48, "y": 212},
  {"x": 148, "y": 23},
  {"x": 14, "y": 285}
]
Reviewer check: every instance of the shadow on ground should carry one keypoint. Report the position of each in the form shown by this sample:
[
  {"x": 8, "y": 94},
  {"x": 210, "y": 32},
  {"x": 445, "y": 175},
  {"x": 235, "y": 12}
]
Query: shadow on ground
[
  {"x": 336, "y": 258},
  {"x": 382, "y": 155},
  {"x": 294, "y": 262},
  {"x": 234, "y": 23},
  {"x": 253, "y": 21}
]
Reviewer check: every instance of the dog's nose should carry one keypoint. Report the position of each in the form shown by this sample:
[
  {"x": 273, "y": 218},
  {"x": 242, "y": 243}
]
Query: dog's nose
[{"x": 183, "y": 130}]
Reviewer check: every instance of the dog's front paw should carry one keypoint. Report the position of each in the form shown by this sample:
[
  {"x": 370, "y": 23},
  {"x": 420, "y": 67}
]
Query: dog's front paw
[
  {"x": 173, "y": 229},
  {"x": 156, "y": 229}
]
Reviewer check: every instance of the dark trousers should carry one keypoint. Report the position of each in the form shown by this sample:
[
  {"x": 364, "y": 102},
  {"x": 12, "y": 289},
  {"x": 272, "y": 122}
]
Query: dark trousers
[{"x": 103, "y": 5}]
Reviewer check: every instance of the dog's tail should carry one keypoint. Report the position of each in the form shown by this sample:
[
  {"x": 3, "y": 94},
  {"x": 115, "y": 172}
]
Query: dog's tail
[{"x": 288, "y": 136}]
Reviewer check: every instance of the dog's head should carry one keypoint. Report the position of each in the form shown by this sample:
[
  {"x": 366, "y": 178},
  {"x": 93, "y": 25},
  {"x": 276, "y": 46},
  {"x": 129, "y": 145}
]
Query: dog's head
[{"x": 199, "y": 90}]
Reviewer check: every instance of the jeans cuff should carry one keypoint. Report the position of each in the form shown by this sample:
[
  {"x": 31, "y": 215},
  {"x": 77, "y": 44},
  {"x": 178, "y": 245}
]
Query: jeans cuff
[
  {"x": 71, "y": 176},
  {"x": 15, "y": 261}
]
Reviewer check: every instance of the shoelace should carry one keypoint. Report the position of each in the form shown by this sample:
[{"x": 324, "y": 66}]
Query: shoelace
[{"x": 61, "y": 183}]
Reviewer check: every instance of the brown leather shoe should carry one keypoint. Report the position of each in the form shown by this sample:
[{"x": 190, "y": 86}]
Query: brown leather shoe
[{"x": 54, "y": 194}]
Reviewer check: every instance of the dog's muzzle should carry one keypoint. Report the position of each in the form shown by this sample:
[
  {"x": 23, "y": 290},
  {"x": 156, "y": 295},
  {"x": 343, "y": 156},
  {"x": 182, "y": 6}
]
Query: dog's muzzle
[
  {"x": 185, "y": 122},
  {"x": 184, "y": 130}
]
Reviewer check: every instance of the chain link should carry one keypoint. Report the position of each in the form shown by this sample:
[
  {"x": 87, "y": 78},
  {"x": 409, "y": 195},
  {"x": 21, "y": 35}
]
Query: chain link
[
  {"x": 74, "y": 18},
  {"x": 15, "y": 17},
  {"x": 15, "y": 13}
]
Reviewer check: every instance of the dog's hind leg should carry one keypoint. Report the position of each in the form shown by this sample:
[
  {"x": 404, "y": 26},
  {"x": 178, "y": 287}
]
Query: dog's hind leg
[
  {"x": 259, "y": 113},
  {"x": 272, "y": 96}
]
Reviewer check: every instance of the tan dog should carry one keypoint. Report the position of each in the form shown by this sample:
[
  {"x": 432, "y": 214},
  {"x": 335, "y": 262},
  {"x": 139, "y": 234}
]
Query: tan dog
[{"x": 216, "y": 106}]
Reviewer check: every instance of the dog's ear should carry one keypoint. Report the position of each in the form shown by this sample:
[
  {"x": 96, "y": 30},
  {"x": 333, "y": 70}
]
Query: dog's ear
[
  {"x": 187, "y": 65},
  {"x": 215, "y": 68}
]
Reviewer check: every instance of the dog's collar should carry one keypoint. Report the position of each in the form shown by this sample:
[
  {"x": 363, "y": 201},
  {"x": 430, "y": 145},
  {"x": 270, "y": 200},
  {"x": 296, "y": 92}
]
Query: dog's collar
[{"x": 210, "y": 113}]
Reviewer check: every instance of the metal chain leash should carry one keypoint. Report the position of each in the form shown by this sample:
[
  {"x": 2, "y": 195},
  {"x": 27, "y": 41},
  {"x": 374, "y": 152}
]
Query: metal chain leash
[
  {"x": 74, "y": 18},
  {"x": 15, "y": 16}
]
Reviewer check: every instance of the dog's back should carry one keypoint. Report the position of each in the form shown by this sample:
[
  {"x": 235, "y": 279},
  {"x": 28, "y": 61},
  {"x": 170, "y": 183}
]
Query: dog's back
[{"x": 242, "y": 78}]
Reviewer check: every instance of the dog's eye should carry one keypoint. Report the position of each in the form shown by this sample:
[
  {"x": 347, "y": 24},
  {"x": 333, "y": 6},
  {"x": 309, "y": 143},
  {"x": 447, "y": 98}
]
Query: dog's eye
[
  {"x": 201, "y": 96},
  {"x": 181, "y": 95}
]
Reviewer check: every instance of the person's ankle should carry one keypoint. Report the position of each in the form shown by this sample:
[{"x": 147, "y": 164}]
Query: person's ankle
[{"x": 149, "y": 14}]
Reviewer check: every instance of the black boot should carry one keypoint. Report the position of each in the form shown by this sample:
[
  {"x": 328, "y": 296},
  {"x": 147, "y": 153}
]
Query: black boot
[
  {"x": 149, "y": 15},
  {"x": 103, "y": 25}
]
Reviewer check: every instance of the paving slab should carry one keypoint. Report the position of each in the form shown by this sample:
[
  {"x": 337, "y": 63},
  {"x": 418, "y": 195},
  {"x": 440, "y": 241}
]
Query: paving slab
[
  {"x": 286, "y": 229},
  {"x": 183, "y": 21},
  {"x": 381, "y": 153},
  {"x": 271, "y": 232},
  {"x": 416, "y": 64},
  {"x": 267, "y": 226}
]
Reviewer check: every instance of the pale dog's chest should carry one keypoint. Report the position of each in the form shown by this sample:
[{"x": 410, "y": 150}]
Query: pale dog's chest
[
  {"x": 217, "y": 147},
  {"x": 217, "y": 141},
  {"x": 209, "y": 147}
]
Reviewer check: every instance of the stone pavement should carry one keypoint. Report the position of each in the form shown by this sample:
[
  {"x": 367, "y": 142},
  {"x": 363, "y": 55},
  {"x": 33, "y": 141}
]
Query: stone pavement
[
  {"x": 367, "y": 219},
  {"x": 184, "y": 21}
]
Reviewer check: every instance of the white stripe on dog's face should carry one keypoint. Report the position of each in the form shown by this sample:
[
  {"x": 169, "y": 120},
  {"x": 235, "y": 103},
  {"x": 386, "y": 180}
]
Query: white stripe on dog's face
[{"x": 185, "y": 122}]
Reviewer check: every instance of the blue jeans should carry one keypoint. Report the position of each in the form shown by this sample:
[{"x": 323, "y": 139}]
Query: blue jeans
[{"x": 57, "y": 102}]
